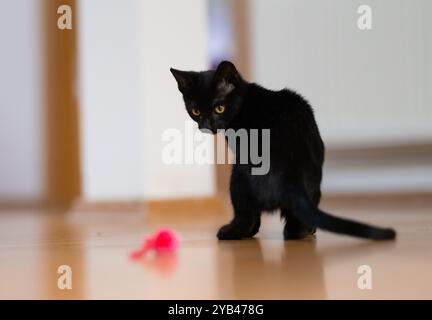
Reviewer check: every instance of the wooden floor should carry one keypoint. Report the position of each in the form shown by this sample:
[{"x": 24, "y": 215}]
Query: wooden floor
[{"x": 34, "y": 243}]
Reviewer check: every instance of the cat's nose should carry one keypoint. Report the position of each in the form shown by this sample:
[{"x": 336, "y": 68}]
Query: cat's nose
[{"x": 206, "y": 125}]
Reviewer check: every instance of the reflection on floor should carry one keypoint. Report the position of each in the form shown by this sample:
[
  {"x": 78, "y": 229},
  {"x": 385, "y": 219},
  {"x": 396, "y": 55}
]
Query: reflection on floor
[{"x": 33, "y": 244}]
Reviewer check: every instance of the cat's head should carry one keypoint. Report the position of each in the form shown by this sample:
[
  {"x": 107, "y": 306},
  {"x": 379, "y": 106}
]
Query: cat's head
[{"x": 213, "y": 97}]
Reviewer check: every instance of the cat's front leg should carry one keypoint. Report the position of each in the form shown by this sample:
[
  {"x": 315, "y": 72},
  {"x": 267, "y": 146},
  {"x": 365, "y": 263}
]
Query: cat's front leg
[{"x": 247, "y": 216}]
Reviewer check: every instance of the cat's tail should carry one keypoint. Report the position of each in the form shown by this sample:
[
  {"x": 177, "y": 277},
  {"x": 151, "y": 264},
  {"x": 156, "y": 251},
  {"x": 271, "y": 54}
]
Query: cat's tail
[{"x": 307, "y": 213}]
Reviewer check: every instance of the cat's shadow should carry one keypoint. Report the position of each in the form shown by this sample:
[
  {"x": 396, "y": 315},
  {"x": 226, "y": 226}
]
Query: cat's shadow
[{"x": 273, "y": 269}]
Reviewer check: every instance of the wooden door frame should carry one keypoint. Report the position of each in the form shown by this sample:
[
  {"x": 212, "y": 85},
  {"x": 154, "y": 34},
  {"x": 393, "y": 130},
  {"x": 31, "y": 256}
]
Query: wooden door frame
[{"x": 62, "y": 156}]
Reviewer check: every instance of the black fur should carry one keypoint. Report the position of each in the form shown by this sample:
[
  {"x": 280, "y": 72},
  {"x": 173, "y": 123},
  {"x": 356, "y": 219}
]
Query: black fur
[{"x": 296, "y": 154}]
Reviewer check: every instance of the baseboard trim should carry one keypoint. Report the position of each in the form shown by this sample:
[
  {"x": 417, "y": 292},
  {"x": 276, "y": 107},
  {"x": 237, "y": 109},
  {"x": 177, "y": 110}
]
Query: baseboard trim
[
  {"x": 208, "y": 204},
  {"x": 390, "y": 199},
  {"x": 192, "y": 205},
  {"x": 221, "y": 203},
  {"x": 108, "y": 206},
  {"x": 22, "y": 204}
]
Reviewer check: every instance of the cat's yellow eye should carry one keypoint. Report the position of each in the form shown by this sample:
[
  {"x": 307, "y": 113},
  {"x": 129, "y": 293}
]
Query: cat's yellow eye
[
  {"x": 195, "y": 112},
  {"x": 219, "y": 109}
]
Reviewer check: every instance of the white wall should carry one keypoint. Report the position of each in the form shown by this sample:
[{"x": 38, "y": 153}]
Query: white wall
[
  {"x": 109, "y": 98},
  {"x": 367, "y": 87},
  {"x": 174, "y": 34},
  {"x": 128, "y": 96},
  {"x": 21, "y": 127}
]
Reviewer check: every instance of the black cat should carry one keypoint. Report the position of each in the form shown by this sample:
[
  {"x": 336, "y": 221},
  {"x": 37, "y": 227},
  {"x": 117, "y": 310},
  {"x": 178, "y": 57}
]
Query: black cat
[{"x": 221, "y": 99}]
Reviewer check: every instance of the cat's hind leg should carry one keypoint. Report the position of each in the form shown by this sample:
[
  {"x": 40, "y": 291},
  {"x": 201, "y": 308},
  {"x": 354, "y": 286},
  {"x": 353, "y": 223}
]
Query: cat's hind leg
[
  {"x": 294, "y": 229},
  {"x": 256, "y": 225}
]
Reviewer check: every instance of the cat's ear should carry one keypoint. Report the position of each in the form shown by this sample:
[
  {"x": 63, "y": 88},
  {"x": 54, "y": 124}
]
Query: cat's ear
[
  {"x": 226, "y": 77},
  {"x": 185, "y": 79}
]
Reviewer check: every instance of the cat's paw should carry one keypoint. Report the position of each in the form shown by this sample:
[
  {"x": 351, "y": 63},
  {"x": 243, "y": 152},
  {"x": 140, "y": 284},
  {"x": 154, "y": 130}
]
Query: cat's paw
[
  {"x": 255, "y": 228},
  {"x": 312, "y": 231},
  {"x": 297, "y": 233},
  {"x": 230, "y": 232}
]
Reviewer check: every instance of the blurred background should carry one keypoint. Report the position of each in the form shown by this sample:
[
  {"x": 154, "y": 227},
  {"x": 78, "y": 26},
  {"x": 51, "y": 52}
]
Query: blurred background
[{"x": 83, "y": 110}]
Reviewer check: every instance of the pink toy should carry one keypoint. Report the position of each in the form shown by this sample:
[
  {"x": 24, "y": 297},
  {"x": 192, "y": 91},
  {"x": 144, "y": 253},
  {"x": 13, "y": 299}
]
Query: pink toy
[{"x": 165, "y": 240}]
